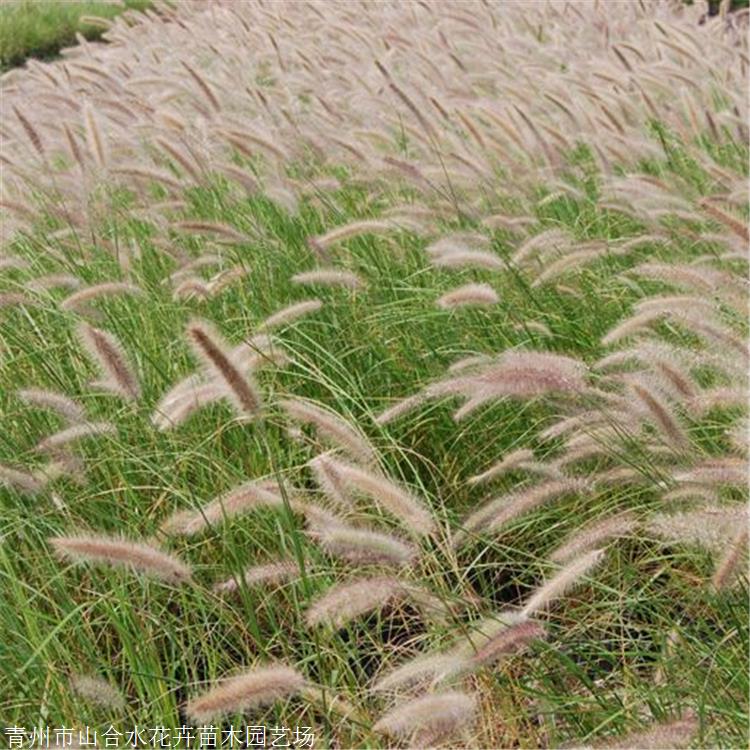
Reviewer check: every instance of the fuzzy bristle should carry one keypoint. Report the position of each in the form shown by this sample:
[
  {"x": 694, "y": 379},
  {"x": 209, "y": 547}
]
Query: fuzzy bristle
[
  {"x": 111, "y": 358},
  {"x": 562, "y": 582},
  {"x": 245, "y": 692},
  {"x": 116, "y": 551},
  {"x": 211, "y": 349},
  {"x": 347, "y": 601},
  {"x": 97, "y": 691},
  {"x": 397, "y": 500},
  {"x": 289, "y": 314},
  {"x": 332, "y": 426},
  {"x": 433, "y": 716},
  {"x": 469, "y": 294}
]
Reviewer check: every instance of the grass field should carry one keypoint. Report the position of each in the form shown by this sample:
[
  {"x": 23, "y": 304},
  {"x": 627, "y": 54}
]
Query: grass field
[
  {"x": 41, "y": 28},
  {"x": 591, "y": 590}
]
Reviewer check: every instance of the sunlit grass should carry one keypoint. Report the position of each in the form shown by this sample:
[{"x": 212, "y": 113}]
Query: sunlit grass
[
  {"x": 129, "y": 162},
  {"x": 41, "y": 28},
  {"x": 362, "y": 350}
]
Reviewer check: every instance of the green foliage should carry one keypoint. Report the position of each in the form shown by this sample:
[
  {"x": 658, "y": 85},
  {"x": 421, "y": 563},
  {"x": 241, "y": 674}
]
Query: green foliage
[
  {"x": 713, "y": 5},
  {"x": 358, "y": 353},
  {"x": 41, "y": 28}
]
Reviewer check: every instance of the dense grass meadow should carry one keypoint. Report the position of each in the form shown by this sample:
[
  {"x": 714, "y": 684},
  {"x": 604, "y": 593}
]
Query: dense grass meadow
[
  {"x": 41, "y": 28},
  {"x": 378, "y": 369}
]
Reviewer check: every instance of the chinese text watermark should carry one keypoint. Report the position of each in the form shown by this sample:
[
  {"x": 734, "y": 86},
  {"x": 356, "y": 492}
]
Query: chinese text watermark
[{"x": 206, "y": 737}]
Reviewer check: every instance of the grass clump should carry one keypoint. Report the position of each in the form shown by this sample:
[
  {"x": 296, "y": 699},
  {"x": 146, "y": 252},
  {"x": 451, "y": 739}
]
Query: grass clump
[{"x": 254, "y": 470}]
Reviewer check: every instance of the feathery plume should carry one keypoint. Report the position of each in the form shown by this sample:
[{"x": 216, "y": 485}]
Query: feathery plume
[
  {"x": 319, "y": 519},
  {"x": 109, "y": 355},
  {"x": 517, "y": 459},
  {"x": 94, "y": 138},
  {"x": 686, "y": 276},
  {"x": 77, "y": 299},
  {"x": 96, "y": 690},
  {"x": 239, "y": 140},
  {"x": 413, "y": 108},
  {"x": 457, "y": 242},
  {"x": 508, "y": 641},
  {"x": 691, "y": 492},
  {"x": 670, "y": 735},
  {"x": 20, "y": 480},
  {"x": 511, "y": 223},
  {"x": 401, "y": 407},
  {"x": 710, "y": 526},
  {"x": 469, "y": 294},
  {"x": 481, "y": 632},
  {"x": 191, "y": 287},
  {"x": 60, "y": 465},
  {"x": 427, "y": 668},
  {"x": 727, "y": 566},
  {"x": 150, "y": 175},
  {"x": 203, "y": 86},
  {"x": 468, "y": 259},
  {"x": 242, "y": 499},
  {"x": 470, "y": 362},
  {"x": 569, "y": 261},
  {"x": 187, "y": 269},
  {"x": 554, "y": 238},
  {"x": 186, "y": 161},
  {"x": 322, "y": 242},
  {"x": 430, "y": 716},
  {"x": 574, "y": 422},
  {"x": 562, "y": 582},
  {"x": 224, "y": 279},
  {"x": 668, "y": 303},
  {"x": 239, "y": 175},
  {"x": 52, "y": 281},
  {"x": 635, "y": 324},
  {"x": 211, "y": 349},
  {"x": 715, "y": 472},
  {"x": 273, "y": 572},
  {"x": 8, "y": 263},
  {"x": 738, "y": 435},
  {"x": 12, "y": 299},
  {"x": 721, "y": 397},
  {"x": 174, "y": 409},
  {"x": 398, "y": 501},
  {"x": 330, "y": 482},
  {"x": 534, "y": 326},
  {"x": 358, "y": 545},
  {"x": 140, "y": 557},
  {"x": 593, "y": 535},
  {"x": 329, "y": 277},
  {"x": 736, "y": 225},
  {"x": 679, "y": 380},
  {"x": 58, "y": 402},
  {"x": 517, "y": 374},
  {"x": 245, "y": 692},
  {"x": 500, "y": 511},
  {"x": 290, "y": 314},
  {"x": 31, "y": 132},
  {"x": 98, "y": 21},
  {"x": 661, "y": 417},
  {"x": 333, "y": 427},
  {"x": 347, "y": 601},
  {"x": 223, "y": 231},
  {"x": 74, "y": 433},
  {"x": 259, "y": 351}
]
